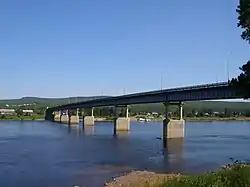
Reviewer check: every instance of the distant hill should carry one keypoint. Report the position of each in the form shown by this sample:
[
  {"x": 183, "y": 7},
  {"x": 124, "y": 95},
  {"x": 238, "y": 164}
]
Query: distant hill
[{"x": 47, "y": 101}]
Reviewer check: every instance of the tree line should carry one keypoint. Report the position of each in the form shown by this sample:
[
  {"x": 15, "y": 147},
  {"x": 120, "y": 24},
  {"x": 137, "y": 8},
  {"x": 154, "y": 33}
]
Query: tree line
[{"x": 242, "y": 82}]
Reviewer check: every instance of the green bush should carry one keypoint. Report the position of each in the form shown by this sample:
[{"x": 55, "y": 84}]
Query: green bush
[{"x": 236, "y": 175}]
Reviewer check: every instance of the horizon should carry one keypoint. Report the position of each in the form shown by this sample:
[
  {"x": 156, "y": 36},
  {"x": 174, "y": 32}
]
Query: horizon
[{"x": 64, "y": 49}]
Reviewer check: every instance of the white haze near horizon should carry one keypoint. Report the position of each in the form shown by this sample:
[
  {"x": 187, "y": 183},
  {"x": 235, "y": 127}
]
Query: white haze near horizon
[{"x": 232, "y": 100}]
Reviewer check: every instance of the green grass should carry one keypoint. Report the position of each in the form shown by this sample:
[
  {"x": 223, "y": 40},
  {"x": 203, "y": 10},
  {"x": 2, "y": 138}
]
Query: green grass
[
  {"x": 237, "y": 175},
  {"x": 14, "y": 117}
]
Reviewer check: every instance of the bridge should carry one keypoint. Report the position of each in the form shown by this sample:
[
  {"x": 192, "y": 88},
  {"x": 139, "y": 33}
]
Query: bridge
[{"x": 173, "y": 96}]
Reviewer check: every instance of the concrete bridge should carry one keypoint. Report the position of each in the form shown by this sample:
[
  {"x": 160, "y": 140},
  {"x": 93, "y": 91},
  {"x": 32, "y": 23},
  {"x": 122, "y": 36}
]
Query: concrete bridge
[{"x": 174, "y": 96}]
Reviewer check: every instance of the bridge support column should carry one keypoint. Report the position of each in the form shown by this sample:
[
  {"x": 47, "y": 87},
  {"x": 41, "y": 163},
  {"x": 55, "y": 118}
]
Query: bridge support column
[
  {"x": 73, "y": 119},
  {"x": 64, "y": 119},
  {"x": 89, "y": 120},
  {"x": 60, "y": 116},
  {"x": 121, "y": 123},
  {"x": 82, "y": 114},
  {"x": 181, "y": 110},
  {"x": 173, "y": 128},
  {"x": 77, "y": 112}
]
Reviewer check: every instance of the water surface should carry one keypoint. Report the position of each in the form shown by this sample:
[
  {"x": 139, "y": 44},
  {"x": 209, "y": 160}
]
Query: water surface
[{"x": 41, "y": 153}]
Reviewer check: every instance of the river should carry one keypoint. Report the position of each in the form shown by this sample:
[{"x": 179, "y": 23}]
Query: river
[{"x": 42, "y": 153}]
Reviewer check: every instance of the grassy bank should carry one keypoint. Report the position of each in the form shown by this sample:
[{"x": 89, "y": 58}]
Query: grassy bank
[
  {"x": 208, "y": 119},
  {"x": 236, "y": 175},
  {"x": 9, "y": 117},
  {"x": 241, "y": 118},
  {"x": 194, "y": 119}
]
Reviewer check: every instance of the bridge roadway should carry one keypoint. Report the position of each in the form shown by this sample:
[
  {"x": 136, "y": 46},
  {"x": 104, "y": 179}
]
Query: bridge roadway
[
  {"x": 191, "y": 93},
  {"x": 171, "y": 128}
]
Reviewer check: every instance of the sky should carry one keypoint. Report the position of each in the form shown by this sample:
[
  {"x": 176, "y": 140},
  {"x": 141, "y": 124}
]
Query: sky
[{"x": 62, "y": 48}]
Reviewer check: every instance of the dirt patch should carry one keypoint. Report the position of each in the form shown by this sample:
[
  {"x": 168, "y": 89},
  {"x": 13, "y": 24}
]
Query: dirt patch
[{"x": 138, "y": 178}]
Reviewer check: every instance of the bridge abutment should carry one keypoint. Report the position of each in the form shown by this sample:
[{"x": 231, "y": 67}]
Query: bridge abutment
[{"x": 173, "y": 128}]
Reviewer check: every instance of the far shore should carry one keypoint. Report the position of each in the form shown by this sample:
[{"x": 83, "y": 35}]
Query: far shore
[
  {"x": 190, "y": 119},
  {"x": 132, "y": 119}
]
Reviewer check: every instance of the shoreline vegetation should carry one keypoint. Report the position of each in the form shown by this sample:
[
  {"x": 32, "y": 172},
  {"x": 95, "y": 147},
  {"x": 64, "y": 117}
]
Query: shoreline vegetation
[
  {"x": 132, "y": 118},
  {"x": 236, "y": 174},
  {"x": 15, "y": 117}
]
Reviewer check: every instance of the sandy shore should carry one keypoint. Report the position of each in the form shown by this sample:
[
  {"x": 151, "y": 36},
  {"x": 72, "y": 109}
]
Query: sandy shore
[{"x": 138, "y": 178}]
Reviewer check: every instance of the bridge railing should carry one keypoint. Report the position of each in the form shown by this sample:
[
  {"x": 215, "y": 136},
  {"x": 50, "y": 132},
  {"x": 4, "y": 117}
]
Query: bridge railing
[{"x": 186, "y": 88}]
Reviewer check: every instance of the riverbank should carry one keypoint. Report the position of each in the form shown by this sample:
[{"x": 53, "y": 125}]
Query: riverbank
[
  {"x": 36, "y": 118},
  {"x": 229, "y": 176},
  {"x": 190, "y": 119},
  {"x": 140, "y": 178},
  {"x": 132, "y": 118},
  {"x": 208, "y": 119}
]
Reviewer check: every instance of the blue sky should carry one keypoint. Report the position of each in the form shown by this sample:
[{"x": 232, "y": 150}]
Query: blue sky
[{"x": 80, "y": 48}]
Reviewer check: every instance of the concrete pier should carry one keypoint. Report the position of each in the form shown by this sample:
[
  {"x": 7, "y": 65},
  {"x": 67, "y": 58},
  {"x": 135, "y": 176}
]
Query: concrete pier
[
  {"x": 74, "y": 119},
  {"x": 64, "y": 119},
  {"x": 88, "y": 120},
  {"x": 122, "y": 124},
  {"x": 173, "y": 128}
]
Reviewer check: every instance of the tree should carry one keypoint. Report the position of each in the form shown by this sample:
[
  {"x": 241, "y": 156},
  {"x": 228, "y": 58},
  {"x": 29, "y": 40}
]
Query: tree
[
  {"x": 193, "y": 112},
  {"x": 247, "y": 113},
  {"x": 242, "y": 82},
  {"x": 2, "y": 116},
  {"x": 19, "y": 112},
  {"x": 243, "y": 11}
]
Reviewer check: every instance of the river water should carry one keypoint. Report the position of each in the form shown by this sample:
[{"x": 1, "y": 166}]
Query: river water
[{"x": 41, "y": 153}]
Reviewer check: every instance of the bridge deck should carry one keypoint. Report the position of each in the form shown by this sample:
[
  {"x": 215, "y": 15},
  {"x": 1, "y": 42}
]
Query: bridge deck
[{"x": 199, "y": 92}]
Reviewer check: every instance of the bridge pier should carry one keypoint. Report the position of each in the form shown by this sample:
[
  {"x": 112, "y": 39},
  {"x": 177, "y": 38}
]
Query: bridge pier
[
  {"x": 74, "y": 119},
  {"x": 121, "y": 123},
  {"x": 64, "y": 118},
  {"x": 89, "y": 120},
  {"x": 68, "y": 118},
  {"x": 173, "y": 128},
  {"x": 60, "y": 116}
]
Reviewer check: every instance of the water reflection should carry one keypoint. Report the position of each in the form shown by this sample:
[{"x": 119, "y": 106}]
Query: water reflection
[
  {"x": 89, "y": 130},
  {"x": 174, "y": 146},
  {"x": 173, "y": 154},
  {"x": 79, "y": 130},
  {"x": 121, "y": 134},
  {"x": 69, "y": 128}
]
